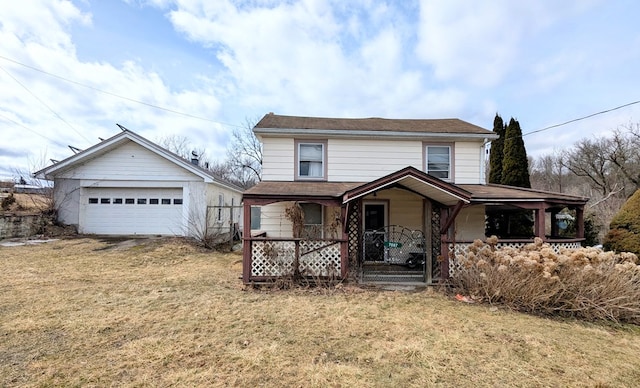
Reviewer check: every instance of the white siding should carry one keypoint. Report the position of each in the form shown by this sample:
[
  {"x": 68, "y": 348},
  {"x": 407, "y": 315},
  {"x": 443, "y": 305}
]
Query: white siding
[
  {"x": 366, "y": 160},
  {"x": 358, "y": 160},
  {"x": 273, "y": 222},
  {"x": 66, "y": 195},
  {"x": 467, "y": 163},
  {"x": 230, "y": 198},
  {"x": 130, "y": 161},
  {"x": 278, "y": 159},
  {"x": 405, "y": 208},
  {"x": 470, "y": 223}
]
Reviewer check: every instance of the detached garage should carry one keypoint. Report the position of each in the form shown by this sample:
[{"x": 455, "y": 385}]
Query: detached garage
[{"x": 127, "y": 185}]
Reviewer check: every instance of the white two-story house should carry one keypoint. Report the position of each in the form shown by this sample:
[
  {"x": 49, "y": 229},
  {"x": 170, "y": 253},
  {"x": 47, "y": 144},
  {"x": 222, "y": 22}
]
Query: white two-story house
[{"x": 378, "y": 199}]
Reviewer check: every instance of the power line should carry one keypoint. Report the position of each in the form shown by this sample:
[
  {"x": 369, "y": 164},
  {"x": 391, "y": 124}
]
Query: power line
[
  {"x": 117, "y": 95},
  {"x": 31, "y": 130},
  {"x": 43, "y": 103},
  {"x": 581, "y": 118}
]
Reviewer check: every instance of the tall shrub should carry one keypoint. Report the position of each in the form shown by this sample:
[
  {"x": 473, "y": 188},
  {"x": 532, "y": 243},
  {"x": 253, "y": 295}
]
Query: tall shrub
[
  {"x": 515, "y": 166},
  {"x": 497, "y": 151}
]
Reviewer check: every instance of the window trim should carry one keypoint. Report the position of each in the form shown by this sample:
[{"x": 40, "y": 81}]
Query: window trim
[
  {"x": 297, "y": 143},
  {"x": 426, "y": 145}
]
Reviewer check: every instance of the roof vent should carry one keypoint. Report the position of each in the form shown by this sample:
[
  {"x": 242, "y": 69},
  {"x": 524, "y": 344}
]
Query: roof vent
[{"x": 194, "y": 158}]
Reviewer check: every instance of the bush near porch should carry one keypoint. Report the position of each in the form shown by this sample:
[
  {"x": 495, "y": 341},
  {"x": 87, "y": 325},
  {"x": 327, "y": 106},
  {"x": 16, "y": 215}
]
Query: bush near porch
[{"x": 585, "y": 283}]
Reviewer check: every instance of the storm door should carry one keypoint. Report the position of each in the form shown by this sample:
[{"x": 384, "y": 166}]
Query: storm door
[{"x": 375, "y": 220}]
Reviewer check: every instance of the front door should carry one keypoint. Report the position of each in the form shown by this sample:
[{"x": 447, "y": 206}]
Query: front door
[{"x": 375, "y": 219}]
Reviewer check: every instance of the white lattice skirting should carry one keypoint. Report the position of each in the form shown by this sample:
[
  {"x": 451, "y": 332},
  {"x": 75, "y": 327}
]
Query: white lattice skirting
[
  {"x": 463, "y": 249},
  {"x": 276, "y": 258}
]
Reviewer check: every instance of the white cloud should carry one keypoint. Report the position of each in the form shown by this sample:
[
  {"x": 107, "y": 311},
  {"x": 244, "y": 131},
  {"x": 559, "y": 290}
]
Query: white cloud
[
  {"x": 38, "y": 35},
  {"x": 480, "y": 43},
  {"x": 543, "y": 62}
]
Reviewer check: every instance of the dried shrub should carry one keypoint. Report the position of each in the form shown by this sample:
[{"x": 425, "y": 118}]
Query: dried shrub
[
  {"x": 7, "y": 201},
  {"x": 295, "y": 214},
  {"x": 585, "y": 283}
]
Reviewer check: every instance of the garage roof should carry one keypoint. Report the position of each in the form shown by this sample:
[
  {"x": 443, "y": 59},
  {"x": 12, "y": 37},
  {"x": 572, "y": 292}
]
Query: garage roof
[{"x": 115, "y": 141}]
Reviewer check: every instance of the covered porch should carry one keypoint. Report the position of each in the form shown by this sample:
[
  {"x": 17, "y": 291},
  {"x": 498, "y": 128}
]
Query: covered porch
[{"x": 404, "y": 227}]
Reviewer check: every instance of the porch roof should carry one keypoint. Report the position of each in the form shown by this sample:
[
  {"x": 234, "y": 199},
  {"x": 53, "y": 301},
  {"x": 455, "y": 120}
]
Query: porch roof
[
  {"x": 408, "y": 178},
  {"x": 500, "y": 194},
  {"x": 298, "y": 191}
]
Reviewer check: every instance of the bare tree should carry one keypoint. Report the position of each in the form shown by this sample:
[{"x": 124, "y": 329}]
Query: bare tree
[
  {"x": 549, "y": 172},
  {"x": 624, "y": 154},
  {"x": 590, "y": 159},
  {"x": 182, "y": 146},
  {"x": 244, "y": 156}
]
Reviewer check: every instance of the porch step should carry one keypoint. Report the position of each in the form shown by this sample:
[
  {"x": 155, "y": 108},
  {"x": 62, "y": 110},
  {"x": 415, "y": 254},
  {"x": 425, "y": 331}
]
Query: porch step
[{"x": 392, "y": 276}]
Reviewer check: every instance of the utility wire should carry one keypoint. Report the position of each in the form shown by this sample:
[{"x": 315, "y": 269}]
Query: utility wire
[
  {"x": 31, "y": 130},
  {"x": 581, "y": 118},
  {"x": 43, "y": 103},
  {"x": 117, "y": 95}
]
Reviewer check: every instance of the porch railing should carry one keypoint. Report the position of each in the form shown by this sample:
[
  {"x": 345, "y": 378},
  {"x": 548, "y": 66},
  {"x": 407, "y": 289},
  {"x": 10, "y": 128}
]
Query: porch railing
[
  {"x": 462, "y": 248},
  {"x": 277, "y": 257}
]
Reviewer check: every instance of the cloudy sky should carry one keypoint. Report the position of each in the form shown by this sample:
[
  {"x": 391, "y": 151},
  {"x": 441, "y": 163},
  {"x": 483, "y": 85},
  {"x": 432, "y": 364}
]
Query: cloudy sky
[{"x": 71, "y": 70}]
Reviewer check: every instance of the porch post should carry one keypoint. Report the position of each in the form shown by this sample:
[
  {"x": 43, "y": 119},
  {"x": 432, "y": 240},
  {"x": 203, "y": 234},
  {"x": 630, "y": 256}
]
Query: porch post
[
  {"x": 246, "y": 242},
  {"x": 554, "y": 223},
  {"x": 444, "y": 246},
  {"x": 344, "y": 258},
  {"x": 539, "y": 222},
  {"x": 580, "y": 221}
]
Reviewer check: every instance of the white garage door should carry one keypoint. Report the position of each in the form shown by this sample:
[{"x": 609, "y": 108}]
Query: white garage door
[{"x": 133, "y": 211}]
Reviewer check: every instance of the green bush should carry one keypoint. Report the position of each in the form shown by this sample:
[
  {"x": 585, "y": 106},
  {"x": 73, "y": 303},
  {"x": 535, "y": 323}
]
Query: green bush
[{"x": 624, "y": 231}]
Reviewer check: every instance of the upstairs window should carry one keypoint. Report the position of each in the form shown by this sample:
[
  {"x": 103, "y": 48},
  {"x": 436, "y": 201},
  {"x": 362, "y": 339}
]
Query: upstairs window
[
  {"x": 311, "y": 160},
  {"x": 438, "y": 161}
]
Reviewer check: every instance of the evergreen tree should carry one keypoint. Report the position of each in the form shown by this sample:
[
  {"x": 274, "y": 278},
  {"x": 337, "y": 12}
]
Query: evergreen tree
[
  {"x": 515, "y": 166},
  {"x": 624, "y": 232},
  {"x": 497, "y": 151}
]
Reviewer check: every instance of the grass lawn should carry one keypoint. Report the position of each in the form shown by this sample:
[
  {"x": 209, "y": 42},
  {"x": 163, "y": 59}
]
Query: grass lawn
[{"x": 84, "y": 312}]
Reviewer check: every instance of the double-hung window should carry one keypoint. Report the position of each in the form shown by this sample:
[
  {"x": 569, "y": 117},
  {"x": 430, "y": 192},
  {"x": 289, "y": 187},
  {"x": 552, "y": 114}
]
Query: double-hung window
[
  {"x": 438, "y": 161},
  {"x": 311, "y": 162}
]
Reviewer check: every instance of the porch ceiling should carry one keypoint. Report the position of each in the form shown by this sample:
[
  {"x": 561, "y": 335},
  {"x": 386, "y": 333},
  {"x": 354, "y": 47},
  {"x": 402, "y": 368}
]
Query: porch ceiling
[{"x": 416, "y": 181}]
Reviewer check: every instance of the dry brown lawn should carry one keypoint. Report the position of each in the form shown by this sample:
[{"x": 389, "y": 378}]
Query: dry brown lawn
[{"x": 83, "y": 312}]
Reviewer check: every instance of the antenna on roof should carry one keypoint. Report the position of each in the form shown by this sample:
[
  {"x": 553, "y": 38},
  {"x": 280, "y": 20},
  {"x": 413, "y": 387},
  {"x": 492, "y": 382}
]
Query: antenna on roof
[
  {"x": 74, "y": 149},
  {"x": 122, "y": 127}
]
